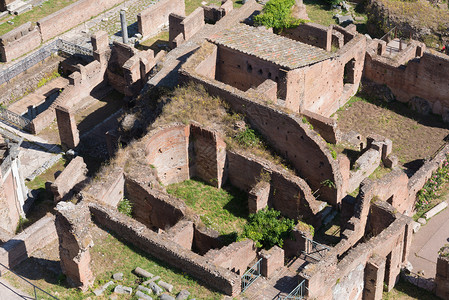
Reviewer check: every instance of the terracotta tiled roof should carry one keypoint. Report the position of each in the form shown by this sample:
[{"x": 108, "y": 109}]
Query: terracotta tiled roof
[{"x": 268, "y": 46}]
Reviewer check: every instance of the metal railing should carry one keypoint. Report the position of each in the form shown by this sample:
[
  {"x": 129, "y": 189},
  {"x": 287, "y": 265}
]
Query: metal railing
[
  {"x": 298, "y": 292},
  {"x": 35, "y": 288},
  {"x": 33, "y": 59},
  {"x": 72, "y": 48},
  {"x": 251, "y": 275},
  {"x": 315, "y": 250},
  {"x": 11, "y": 118}
]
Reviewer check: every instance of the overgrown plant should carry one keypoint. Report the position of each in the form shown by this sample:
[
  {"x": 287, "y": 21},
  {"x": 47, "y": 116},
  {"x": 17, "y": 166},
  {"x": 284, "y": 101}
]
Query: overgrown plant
[
  {"x": 125, "y": 207},
  {"x": 268, "y": 228},
  {"x": 276, "y": 14},
  {"x": 432, "y": 187}
]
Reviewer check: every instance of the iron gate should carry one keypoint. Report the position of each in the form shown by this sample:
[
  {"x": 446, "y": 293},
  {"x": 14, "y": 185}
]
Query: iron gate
[
  {"x": 251, "y": 275},
  {"x": 315, "y": 250},
  {"x": 11, "y": 118}
]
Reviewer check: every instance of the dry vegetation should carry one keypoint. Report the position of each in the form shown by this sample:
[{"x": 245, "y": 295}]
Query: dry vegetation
[{"x": 414, "y": 136}]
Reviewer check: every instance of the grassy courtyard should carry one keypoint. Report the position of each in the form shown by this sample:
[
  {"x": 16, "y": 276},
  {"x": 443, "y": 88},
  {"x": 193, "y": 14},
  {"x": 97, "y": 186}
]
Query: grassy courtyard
[
  {"x": 108, "y": 256},
  {"x": 224, "y": 210}
]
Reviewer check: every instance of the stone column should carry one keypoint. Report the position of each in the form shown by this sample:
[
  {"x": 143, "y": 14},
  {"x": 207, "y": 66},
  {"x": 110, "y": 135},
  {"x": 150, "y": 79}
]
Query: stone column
[
  {"x": 72, "y": 226},
  {"x": 442, "y": 273},
  {"x": 68, "y": 132},
  {"x": 124, "y": 26}
]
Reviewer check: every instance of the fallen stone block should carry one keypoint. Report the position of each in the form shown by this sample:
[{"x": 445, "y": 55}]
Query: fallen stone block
[
  {"x": 120, "y": 289},
  {"x": 167, "y": 286},
  {"x": 183, "y": 295},
  {"x": 435, "y": 210},
  {"x": 416, "y": 226},
  {"x": 101, "y": 290},
  {"x": 144, "y": 289},
  {"x": 118, "y": 276},
  {"x": 422, "y": 221},
  {"x": 141, "y": 295},
  {"x": 151, "y": 280},
  {"x": 166, "y": 297},
  {"x": 155, "y": 288},
  {"x": 143, "y": 273}
]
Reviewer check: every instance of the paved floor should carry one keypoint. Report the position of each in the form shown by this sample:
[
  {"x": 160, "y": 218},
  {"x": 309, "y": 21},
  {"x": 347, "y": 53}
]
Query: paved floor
[
  {"x": 426, "y": 243},
  {"x": 7, "y": 292}
]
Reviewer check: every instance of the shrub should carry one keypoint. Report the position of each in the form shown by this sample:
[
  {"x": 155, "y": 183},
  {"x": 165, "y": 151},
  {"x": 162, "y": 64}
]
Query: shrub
[
  {"x": 431, "y": 189},
  {"x": 276, "y": 14},
  {"x": 248, "y": 138},
  {"x": 267, "y": 228},
  {"x": 125, "y": 207}
]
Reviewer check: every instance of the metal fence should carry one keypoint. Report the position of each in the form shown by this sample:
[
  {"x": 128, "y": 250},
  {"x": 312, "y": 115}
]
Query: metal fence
[
  {"x": 315, "y": 250},
  {"x": 298, "y": 292},
  {"x": 33, "y": 59},
  {"x": 36, "y": 290},
  {"x": 251, "y": 275},
  {"x": 11, "y": 118}
]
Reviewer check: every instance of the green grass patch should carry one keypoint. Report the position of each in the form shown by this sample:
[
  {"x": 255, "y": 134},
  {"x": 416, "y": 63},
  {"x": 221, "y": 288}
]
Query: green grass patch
[
  {"x": 320, "y": 12},
  {"x": 224, "y": 210},
  {"x": 49, "y": 175},
  {"x": 110, "y": 255},
  {"x": 380, "y": 172},
  {"x": 34, "y": 15}
]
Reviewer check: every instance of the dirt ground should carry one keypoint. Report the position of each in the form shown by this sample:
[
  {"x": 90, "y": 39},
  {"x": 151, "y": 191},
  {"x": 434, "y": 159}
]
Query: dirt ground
[{"x": 415, "y": 137}]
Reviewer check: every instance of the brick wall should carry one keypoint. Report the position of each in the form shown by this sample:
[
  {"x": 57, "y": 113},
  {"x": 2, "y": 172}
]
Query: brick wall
[
  {"x": 235, "y": 257},
  {"x": 153, "y": 208},
  {"x": 310, "y": 33},
  {"x": 285, "y": 133},
  {"x": 442, "y": 274},
  {"x": 208, "y": 156},
  {"x": 111, "y": 190},
  {"x": 423, "y": 77},
  {"x": 72, "y": 15},
  {"x": 182, "y": 28},
  {"x": 37, "y": 236},
  {"x": 167, "y": 151},
  {"x": 9, "y": 212},
  {"x": 288, "y": 193},
  {"x": 173, "y": 254},
  {"x": 19, "y": 41},
  {"x": 152, "y": 19}
]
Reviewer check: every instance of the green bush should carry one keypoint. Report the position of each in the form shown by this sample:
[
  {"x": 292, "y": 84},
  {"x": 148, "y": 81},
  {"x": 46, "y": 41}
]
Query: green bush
[
  {"x": 276, "y": 14},
  {"x": 267, "y": 228},
  {"x": 125, "y": 207},
  {"x": 248, "y": 138}
]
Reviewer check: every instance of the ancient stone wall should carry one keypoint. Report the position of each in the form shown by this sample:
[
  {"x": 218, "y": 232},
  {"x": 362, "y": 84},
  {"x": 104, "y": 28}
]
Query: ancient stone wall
[
  {"x": 10, "y": 210},
  {"x": 326, "y": 127},
  {"x": 442, "y": 274},
  {"x": 344, "y": 279},
  {"x": 37, "y": 236},
  {"x": 307, "y": 152},
  {"x": 130, "y": 230},
  {"x": 167, "y": 151},
  {"x": 68, "y": 131},
  {"x": 182, "y": 233},
  {"x": 181, "y": 28},
  {"x": 17, "y": 87},
  {"x": 153, "y": 208},
  {"x": 72, "y": 226},
  {"x": 19, "y": 41},
  {"x": 205, "y": 239},
  {"x": 70, "y": 177},
  {"x": 288, "y": 193},
  {"x": 81, "y": 85},
  {"x": 111, "y": 189},
  {"x": 422, "y": 82},
  {"x": 235, "y": 257},
  {"x": 152, "y": 19},
  {"x": 310, "y": 33},
  {"x": 208, "y": 156},
  {"x": 72, "y": 15}
]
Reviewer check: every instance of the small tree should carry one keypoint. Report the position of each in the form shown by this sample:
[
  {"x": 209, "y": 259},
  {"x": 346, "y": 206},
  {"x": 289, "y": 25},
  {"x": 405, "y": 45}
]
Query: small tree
[
  {"x": 267, "y": 228},
  {"x": 276, "y": 14}
]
